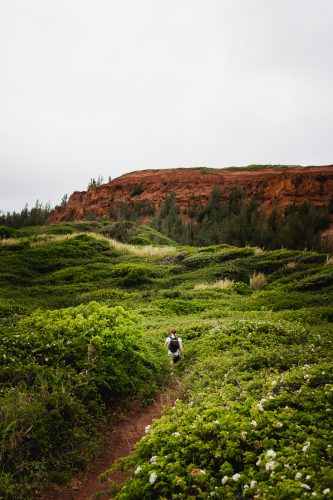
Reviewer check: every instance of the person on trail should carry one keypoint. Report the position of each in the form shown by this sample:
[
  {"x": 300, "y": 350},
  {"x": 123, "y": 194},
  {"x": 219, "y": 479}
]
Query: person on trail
[{"x": 175, "y": 346}]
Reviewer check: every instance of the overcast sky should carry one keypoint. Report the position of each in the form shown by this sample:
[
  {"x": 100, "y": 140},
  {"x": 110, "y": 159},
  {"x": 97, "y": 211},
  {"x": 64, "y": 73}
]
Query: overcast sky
[{"x": 91, "y": 87}]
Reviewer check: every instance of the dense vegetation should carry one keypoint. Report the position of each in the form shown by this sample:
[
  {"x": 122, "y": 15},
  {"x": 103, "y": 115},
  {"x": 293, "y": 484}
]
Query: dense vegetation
[
  {"x": 83, "y": 318},
  {"x": 34, "y": 216},
  {"x": 239, "y": 221}
]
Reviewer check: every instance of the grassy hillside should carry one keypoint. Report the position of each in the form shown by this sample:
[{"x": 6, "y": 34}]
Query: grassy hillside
[{"x": 83, "y": 319}]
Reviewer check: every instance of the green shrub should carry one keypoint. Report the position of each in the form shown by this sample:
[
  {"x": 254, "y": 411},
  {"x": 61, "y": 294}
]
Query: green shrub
[
  {"x": 277, "y": 301},
  {"x": 322, "y": 279},
  {"x": 121, "y": 230},
  {"x": 176, "y": 306},
  {"x": 137, "y": 190},
  {"x": 241, "y": 288},
  {"x": 200, "y": 260},
  {"x": 255, "y": 420},
  {"x": 59, "y": 370},
  {"x": 60, "y": 229},
  {"x": 9, "y": 232},
  {"x": 140, "y": 239},
  {"x": 235, "y": 270},
  {"x": 132, "y": 274},
  {"x": 235, "y": 253}
]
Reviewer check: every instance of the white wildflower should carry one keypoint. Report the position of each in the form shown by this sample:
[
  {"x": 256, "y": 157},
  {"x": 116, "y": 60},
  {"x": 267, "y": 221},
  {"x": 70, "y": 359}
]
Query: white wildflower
[
  {"x": 254, "y": 423},
  {"x": 279, "y": 424},
  {"x": 224, "y": 479},
  {"x": 260, "y": 406},
  {"x": 138, "y": 470},
  {"x": 314, "y": 493},
  {"x": 153, "y": 459},
  {"x": 236, "y": 476},
  {"x": 244, "y": 434},
  {"x": 270, "y": 454},
  {"x": 253, "y": 483},
  {"x": 152, "y": 477},
  {"x": 298, "y": 475},
  {"x": 306, "y": 447},
  {"x": 270, "y": 465},
  {"x": 176, "y": 434},
  {"x": 258, "y": 462},
  {"x": 245, "y": 487},
  {"x": 271, "y": 397},
  {"x": 147, "y": 429},
  {"x": 326, "y": 491},
  {"x": 305, "y": 486},
  {"x": 306, "y": 367},
  {"x": 212, "y": 494},
  {"x": 216, "y": 422},
  {"x": 202, "y": 471},
  {"x": 274, "y": 382},
  {"x": 308, "y": 477}
]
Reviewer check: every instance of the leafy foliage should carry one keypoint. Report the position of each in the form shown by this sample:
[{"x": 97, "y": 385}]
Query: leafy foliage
[
  {"x": 66, "y": 362},
  {"x": 66, "y": 365},
  {"x": 255, "y": 419}
]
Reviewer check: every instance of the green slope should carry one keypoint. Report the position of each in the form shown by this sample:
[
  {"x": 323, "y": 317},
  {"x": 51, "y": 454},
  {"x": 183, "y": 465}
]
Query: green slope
[{"x": 257, "y": 373}]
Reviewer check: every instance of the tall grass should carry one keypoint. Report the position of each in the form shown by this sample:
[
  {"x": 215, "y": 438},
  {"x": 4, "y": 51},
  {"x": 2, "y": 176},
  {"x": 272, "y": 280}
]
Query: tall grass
[
  {"x": 10, "y": 241},
  {"x": 149, "y": 250},
  {"x": 221, "y": 284},
  {"x": 144, "y": 251},
  {"x": 43, "y": 239},
  {"x": 257, "y": 281},
  {"x": 329, "y": 260}
]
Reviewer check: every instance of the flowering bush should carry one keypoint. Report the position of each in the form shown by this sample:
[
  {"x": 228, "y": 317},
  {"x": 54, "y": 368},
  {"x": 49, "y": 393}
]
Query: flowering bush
[{"x": 244, "y": 429}]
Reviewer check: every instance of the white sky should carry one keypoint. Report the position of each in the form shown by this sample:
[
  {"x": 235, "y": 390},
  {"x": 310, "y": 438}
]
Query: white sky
[{"x": 91, "y": 87}]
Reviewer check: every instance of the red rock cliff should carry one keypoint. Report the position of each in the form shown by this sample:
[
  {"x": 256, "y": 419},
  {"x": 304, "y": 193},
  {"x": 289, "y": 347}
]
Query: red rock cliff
[{"x": 273, "y": 187}]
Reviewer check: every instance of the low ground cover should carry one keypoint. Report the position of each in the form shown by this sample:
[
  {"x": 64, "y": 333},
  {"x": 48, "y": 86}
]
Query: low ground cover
[
  {"x": 250, "y": 356},
  {"x": 255, "y": 419},
  {"x": 60, "y": 370}
]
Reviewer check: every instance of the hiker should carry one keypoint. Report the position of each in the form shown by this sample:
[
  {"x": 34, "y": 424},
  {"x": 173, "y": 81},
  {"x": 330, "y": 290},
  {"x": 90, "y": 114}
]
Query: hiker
[{"x": 175, "y": 346}]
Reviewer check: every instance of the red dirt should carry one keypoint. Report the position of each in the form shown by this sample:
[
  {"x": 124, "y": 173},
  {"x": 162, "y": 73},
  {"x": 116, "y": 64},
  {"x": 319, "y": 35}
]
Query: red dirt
[{"x": 122, "y": 437}]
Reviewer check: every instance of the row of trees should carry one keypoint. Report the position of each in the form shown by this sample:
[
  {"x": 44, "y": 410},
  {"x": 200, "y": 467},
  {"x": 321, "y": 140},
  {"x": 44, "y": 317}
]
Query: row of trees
[
  {"x": 35, "y": 216},
  {"x": 38, "y": 214},
  {"x": 239, "y": 221}
]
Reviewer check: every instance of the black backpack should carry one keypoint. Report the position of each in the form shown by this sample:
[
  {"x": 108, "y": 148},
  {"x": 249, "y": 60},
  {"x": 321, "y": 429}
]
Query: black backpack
[{"x": 174, "y": 345}]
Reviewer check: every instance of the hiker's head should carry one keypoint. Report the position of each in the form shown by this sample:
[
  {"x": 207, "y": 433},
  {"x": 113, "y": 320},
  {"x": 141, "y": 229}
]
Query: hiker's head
[{"x": 174, "y": 332}]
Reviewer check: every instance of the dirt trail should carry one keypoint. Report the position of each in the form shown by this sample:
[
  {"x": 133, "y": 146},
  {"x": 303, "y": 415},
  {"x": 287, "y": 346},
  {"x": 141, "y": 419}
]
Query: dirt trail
[{"x": 122, "y": 437}]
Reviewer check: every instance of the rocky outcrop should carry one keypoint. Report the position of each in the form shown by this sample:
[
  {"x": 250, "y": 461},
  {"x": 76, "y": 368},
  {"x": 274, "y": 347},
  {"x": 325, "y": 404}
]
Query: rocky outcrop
[{"x": 272, "y": 187}]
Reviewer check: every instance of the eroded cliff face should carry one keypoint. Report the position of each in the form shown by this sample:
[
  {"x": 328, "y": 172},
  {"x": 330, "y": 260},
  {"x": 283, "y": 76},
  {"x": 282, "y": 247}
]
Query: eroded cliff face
[{"x": 273, "y": 187}]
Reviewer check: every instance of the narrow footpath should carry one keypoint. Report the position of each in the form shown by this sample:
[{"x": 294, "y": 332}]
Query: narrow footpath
[{"x": 123, "y": 435}]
